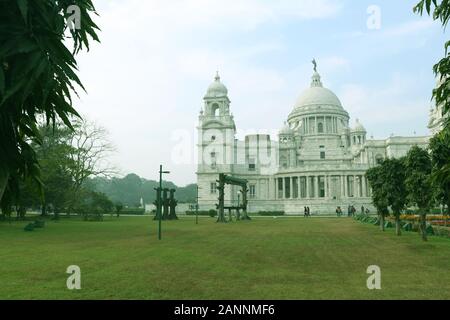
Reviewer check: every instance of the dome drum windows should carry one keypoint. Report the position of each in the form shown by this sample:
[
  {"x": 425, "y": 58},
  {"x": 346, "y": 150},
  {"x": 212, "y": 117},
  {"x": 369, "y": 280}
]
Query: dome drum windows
[
  {"x": 320, "y": 128},
  {"x": 319, "y": 125}
]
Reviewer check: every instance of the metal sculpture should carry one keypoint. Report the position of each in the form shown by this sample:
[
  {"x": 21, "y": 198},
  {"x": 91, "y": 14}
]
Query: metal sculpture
[
  {"x": 230, "y": 180},
  {"x": 172, "y": 205},
  {"x": 165, "y": 204},
  {"x": 158, "y": 204}
]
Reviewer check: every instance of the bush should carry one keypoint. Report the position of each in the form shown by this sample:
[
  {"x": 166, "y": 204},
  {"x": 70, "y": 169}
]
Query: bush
[
  {"x": 388, "y": 225},
  {"x": 211, "y": 213},
  {"x": 133, "y": 211},
  {"x": 39, "y": 224},
  {"x": 408, "y": 226},
  {"x": 271, "y": 213},
  {"x": 29, "y": 227}
]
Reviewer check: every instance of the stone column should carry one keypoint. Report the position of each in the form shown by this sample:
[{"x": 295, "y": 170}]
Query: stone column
[
  {"x": 356, "y": 186},
  {"x": 342, "y": 187},
  {"x": 326, "y": 183},
  {"x": 364, "y": 186},
  {"x": 276, "y": 188},
  {"x": 291, "y": 188},
  {"x": 299, "y": 187},
  {"x": 308, "y": 187},
  {"x": 346, "y": 187},
  {"x": 316, "y": 187}
]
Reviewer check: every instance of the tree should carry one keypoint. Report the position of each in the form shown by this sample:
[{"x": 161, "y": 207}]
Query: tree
[
  {"x": 393, "y": 172},
  {"x": 89, "y": 154},
  {"x": 440, "y": 10},
  {"x": 55, "y": 163},
  {"x": 119, "y": 208},
  {"x": 376, "y": 180},
  {"x": 37, "y": 76},
  {"x": 418, "y": 183},
  {"x": 440, "y": 157}
]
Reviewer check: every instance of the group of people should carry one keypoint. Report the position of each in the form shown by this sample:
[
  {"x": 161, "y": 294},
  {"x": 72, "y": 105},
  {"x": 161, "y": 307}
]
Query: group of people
[
  {"x": 351, "y": 211},
  {"x": 307, "y": 212}
]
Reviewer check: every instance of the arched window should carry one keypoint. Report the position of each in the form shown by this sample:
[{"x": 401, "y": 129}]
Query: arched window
[
  {"x": 215, "y": 110},
  {"x": 320, "y": 127}
]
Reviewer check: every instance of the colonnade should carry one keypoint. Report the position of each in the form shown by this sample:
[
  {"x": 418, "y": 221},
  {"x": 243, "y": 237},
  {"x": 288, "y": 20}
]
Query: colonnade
[{"x": 325, "y": 186}]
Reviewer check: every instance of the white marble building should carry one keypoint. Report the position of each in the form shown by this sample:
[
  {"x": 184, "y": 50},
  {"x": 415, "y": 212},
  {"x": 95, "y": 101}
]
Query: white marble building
[{"x": 318, "y": 160}]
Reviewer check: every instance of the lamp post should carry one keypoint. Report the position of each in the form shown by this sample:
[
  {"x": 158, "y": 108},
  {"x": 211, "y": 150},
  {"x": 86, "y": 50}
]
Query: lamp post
[{"x": 161, "y": 172}]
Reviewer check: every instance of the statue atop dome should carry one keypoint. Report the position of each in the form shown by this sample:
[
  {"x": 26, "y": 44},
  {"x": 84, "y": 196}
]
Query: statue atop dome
[{"x": 314, "y": 62}]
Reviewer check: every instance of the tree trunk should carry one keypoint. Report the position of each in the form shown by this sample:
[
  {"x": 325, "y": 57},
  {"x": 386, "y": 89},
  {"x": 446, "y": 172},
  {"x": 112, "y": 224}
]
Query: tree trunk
[
  {"x": 382, "y": 222},
  {"x": 398, "y": 227},
  {"x": 43, "y": 210},
  {"x": 423, "y": 226},
  {"x": 445, "y": 219},
  {"x": 3, "y": 183}
]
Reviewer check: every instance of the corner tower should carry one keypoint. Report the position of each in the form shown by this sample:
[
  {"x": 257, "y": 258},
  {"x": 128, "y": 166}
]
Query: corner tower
[{"x": 216, "y": 140}]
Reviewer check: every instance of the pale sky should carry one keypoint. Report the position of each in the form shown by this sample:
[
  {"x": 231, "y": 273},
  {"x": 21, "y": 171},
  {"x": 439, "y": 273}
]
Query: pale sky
[{"x": 147, "y": 78}]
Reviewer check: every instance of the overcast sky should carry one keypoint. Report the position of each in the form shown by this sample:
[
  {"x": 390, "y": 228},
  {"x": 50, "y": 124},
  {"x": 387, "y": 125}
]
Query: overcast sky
[{"x": 147, "y": 78}]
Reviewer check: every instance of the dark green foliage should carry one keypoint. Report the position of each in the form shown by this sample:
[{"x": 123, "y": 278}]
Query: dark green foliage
[
  {"x": 418, "y": 183},
  {"x": 271, "y": 213},
  {"x": 39, "y": 224},
  {"x": 29, "y": 227},
  {"x": 210, "y": 213},
  {"x": 439, "y": 10},
  {"x": 133, "y": 211},
  {"x": 408, "y": 227},
  {"x": 429, "y": 229},
  {"x": 376, "y": 178},
  {"x": 440, "y": 159},
  {"x": 37, "y": 77},
  {"x": 200, "y": 213},
  {"x": 93, "y": 205},
  {"x": 119, "y": 208},
  {"x": 213, "y": 213}
]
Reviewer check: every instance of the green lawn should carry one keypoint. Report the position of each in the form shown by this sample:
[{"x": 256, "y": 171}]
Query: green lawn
[{"x": 284, "y": 258}]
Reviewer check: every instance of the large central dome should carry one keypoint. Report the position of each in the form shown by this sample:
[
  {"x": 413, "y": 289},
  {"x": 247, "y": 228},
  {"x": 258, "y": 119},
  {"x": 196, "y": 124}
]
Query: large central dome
[{"x": 317, "y": 100}]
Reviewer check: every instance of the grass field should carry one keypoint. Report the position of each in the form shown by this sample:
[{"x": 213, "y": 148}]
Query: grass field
[{"x": 284, "y": 258}]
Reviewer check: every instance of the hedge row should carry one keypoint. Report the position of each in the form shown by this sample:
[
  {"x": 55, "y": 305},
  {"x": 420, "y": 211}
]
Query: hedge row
[
  {"x": 210, "y": 213},
  {"x": 406, "y": 226},
  {"x": 132, "y": 211},
  {"x": 271, "y": 213}
]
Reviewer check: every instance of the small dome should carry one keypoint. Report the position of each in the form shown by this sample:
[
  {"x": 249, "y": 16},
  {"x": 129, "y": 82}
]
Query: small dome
[
  {"x": 358, "y": 127},
  {"x": 217, "y": 89},
  {"x": 286, "y": 130}
]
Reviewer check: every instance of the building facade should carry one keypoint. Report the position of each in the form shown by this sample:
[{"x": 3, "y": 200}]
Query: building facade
[{"x": 318, "y": 160}]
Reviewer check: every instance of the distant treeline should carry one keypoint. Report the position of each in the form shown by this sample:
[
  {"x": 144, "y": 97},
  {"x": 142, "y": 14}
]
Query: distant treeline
[{"x": 131, "y": 189}]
